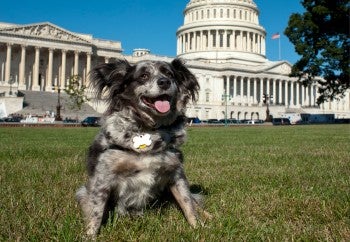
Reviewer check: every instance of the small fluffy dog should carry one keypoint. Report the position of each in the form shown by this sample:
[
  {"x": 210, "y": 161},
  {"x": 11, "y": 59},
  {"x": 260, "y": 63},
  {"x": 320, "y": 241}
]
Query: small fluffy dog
[{"x": 135, "y": 157}]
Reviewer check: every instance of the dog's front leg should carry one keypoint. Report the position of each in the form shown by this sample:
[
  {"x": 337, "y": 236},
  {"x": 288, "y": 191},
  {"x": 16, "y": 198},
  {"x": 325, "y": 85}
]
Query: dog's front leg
[
  {"x": 98, "y": 193},
  {"x": 181, "y": 192}
]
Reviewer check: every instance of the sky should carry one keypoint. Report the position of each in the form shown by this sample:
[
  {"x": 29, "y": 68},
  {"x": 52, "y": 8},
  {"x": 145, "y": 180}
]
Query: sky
[{"x": 150, "y": 24}]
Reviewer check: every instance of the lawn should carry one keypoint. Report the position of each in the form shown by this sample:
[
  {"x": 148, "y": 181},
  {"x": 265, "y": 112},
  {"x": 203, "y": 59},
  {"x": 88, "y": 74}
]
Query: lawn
[{"x": 260, "y": 183}]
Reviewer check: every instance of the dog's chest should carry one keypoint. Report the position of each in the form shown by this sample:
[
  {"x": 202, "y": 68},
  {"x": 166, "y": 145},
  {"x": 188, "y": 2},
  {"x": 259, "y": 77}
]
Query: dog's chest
[{"x": 146, "y": 182}]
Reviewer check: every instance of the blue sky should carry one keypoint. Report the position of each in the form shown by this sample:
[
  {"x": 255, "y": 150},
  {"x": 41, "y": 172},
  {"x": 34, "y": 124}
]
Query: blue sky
[{"x": 150, "y": 24}]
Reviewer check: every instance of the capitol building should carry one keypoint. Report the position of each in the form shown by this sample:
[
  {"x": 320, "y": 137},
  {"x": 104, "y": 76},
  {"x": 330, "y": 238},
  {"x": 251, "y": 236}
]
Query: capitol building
[{"x": 221, "y": 41}]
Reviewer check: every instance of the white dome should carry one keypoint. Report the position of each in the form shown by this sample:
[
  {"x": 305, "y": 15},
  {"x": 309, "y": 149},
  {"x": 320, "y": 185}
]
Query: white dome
[{"x": 221, "y": 31}]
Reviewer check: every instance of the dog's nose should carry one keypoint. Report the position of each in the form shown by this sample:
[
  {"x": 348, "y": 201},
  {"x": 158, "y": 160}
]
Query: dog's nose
[{"x": 164, "y": 83}]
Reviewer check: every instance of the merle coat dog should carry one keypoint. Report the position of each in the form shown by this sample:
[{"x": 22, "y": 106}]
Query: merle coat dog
[{"x": 136, "y": 157}]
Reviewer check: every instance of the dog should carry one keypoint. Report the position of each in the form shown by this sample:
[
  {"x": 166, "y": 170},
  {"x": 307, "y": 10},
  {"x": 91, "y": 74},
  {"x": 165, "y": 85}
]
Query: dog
[{"x": 135, "y": 158}]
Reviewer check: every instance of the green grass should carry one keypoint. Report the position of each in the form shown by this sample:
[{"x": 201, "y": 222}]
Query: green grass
[{"x": 261, "y": 183}]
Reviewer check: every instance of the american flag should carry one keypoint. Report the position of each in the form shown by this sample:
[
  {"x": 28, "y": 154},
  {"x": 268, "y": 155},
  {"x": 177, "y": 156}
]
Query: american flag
[{"x": 276, "y": 36}]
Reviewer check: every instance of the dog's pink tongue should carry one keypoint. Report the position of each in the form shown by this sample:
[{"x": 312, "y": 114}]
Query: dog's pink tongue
[{"x": 162, "y": 106}]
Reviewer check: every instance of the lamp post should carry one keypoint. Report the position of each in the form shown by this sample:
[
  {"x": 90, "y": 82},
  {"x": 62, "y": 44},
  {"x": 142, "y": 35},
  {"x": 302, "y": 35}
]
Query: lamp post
[
  {"x": 58, "y": 106},
  {"x": 266, "y": 100},
  {"x": 224, "y": 98}
]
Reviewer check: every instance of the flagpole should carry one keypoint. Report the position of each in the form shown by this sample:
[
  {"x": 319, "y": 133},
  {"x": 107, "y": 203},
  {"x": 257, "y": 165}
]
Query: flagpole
[{"x": 279, "y": 48}]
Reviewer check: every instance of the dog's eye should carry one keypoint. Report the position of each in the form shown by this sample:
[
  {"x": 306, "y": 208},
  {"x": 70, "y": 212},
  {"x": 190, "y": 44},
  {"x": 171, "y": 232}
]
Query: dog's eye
[
  {"x": 145, "y": 76},
  {"x": 168, "y": 74}
]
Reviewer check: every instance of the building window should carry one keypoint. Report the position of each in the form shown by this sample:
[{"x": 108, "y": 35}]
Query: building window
[
  {"x": 214, "y": 13},
  {"x": 228, "y": 36},
  {"x": 207, "y": 97},
  {"x": 221, "y": 13},
  {"x": 214, "y": 38},
  {"x": 228, "y": 13}
]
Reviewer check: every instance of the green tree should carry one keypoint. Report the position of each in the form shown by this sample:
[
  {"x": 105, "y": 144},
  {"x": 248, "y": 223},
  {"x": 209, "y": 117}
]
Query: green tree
[
  {"x": 76, "y": 92},
  {"x": 321, "y": 38}
]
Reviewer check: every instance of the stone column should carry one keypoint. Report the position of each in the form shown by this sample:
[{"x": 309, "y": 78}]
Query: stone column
[
  {"x": 205, "y": 40},
  {"x": 63, "y": 69},
  {"x": 255, "y": 97},
  {"x": 88, "y": 69},
  {"x": 286, "y": 93},
  {"x": 297, "y": 103},
  {"x": 261, "y": 90},
  {"x": 210, "y": 37},
  {"x": 224, "y": 41},
  {"x": 242, "y": 89},
  {"x": 49, "y": 83},
  {"x": 302, "y": 95},
  {"x": 76, "y": 63},
  {"x": 228, "y": 85},
  {"x": 312, "y": 89},
  {"x": 274, "y": 91},
  {"x": 22, "y": 69},
  {"x": 291, "y": 94},
  {"x": 248, "y": 91},
  {"x": 279, "y": 91},
  {"x": 254, "y": 45},
  {"x": 35, "y": 86},
  {"x": 187, "y": 41},
  {"x": 234, "y": 87},
  {"x": 8, "y": 62},
  {"x": 268, "y": 86},
  {"x": 263, "y": 45}
]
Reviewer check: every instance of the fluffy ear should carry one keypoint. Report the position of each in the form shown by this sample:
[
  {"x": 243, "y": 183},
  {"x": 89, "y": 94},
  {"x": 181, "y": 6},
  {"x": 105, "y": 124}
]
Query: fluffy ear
[
  {"x": 186, "y": 81},
  {"x": 108, "y": 78}
]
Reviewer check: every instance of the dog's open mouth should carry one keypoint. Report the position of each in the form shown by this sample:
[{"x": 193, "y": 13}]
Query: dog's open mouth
[{"x": 161, "y": 103}]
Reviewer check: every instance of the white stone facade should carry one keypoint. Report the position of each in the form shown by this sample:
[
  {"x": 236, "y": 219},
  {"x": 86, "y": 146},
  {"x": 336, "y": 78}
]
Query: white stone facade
[
  {"x": 43, "y": 56},
  {"x": 224, "y": 45},
  {"x": 220, "y": 40}
]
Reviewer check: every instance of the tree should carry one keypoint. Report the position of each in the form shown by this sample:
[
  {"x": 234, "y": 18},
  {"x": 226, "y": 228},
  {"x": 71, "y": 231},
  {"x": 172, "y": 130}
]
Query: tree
[
  {"x": 76, "y": 92},
  {"x": 321, "y": 38}
]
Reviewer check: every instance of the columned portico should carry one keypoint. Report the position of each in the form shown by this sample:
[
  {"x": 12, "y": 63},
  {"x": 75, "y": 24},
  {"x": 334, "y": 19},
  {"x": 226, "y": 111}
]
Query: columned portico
[
  {"x": 43, "y": 57},
  {"x": 250, "y": 95}
]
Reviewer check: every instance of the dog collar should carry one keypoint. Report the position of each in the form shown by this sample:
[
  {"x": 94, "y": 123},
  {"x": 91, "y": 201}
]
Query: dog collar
[{"x": 142, "y": 141}]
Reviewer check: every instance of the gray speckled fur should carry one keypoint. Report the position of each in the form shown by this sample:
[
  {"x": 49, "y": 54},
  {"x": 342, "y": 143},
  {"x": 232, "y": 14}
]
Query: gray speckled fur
[{"x": 121, "y": 175}]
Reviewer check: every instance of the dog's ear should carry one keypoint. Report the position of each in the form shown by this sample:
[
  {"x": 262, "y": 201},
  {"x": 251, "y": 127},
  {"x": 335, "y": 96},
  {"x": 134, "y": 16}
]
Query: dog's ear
[
  {"x": 109, "y": 77},
  {"x": 185, "y": 79}
]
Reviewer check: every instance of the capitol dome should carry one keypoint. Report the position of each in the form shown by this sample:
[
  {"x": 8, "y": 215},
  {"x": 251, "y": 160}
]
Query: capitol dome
[{"x": 221, "y": 31}]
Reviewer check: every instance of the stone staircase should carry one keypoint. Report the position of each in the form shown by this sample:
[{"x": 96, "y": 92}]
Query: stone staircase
[{"x": 39, "y": 103}]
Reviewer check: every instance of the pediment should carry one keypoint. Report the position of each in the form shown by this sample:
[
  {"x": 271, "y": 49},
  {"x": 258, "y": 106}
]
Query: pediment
[
  {"x": 281, "y": 68},
  {"x": 45, "y": 31}
]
